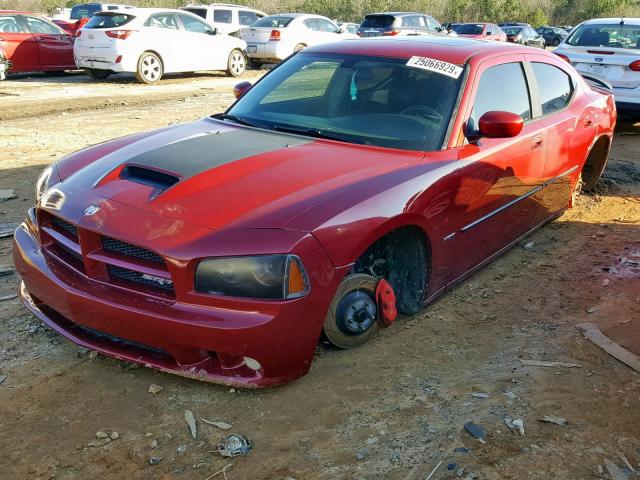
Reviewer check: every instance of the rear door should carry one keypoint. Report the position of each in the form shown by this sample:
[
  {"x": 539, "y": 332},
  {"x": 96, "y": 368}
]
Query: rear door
[
  {"x": 19, "y": 44},
  {"x": 162, "y": 32},
  {"x": 494, "y": 202},
  {"x": 55, "y": 48},
  {"x": 570, "y": 127},
  {"x": 201, "y": 47}
]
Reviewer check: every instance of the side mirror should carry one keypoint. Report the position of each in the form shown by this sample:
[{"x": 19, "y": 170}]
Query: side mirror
[
  {"x": 241, "y": 88},
  {"x": 498, "y": 124}
]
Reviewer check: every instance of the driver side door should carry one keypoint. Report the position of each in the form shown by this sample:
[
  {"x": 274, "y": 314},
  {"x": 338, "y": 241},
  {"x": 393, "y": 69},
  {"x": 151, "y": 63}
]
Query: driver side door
[
  {"x": 201, "y": 47},
  {"x": 55, "y": 48}
]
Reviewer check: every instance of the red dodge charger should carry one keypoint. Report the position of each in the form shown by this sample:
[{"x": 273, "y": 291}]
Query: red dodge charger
[{"x": 354, "y": 180}]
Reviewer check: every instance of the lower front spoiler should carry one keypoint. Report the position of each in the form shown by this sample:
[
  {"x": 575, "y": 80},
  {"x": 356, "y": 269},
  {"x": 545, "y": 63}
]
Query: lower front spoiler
[{"x": 209, "y": 369}]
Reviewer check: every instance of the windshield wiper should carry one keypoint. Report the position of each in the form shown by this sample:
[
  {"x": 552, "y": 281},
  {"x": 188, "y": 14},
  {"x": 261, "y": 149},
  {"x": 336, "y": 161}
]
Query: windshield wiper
[
  {"x": 237, "y": 119},
  {"x": 317, "y": 133}
]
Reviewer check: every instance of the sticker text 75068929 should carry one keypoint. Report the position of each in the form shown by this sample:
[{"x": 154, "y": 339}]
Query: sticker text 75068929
[{"x": 438, "y": 66}]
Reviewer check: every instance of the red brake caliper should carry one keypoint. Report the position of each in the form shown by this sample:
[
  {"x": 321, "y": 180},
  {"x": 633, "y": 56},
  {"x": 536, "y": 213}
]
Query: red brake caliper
[{"x": 386, "y": 300}]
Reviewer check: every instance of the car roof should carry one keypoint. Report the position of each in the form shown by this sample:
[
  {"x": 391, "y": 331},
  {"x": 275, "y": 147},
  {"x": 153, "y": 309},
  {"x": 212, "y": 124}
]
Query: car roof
[
  {"x": 447, "y": 49},
  {"x": 397, "y": 13},
  {"x": 627, "y": 21}
]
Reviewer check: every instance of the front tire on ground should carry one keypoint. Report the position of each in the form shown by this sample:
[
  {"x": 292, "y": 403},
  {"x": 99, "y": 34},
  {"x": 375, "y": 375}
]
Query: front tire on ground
[
  {"x": 150, "y": 68},
  {"x": 236, "y": 63},
  {"x": 97, "y": 74}
]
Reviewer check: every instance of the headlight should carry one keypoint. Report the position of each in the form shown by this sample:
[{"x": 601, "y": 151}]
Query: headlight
[
  {"x": 42, "y": 184},
  {"x": 274, "y": 277}
]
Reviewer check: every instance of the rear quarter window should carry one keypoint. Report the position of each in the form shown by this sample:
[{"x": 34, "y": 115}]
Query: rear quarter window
[
  {"x": 222, "y": 16},
  {"x": 554, "y": 87}
]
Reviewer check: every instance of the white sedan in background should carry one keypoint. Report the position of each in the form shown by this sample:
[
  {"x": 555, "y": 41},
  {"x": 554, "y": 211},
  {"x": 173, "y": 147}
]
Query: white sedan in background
[
  {"x": 151, "y": 42},
  {"x": 273, "y": 38}
]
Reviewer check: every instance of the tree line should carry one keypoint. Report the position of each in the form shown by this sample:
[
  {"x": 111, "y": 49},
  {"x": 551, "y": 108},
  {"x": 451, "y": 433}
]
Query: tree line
[{"x": 535, "y": 12}]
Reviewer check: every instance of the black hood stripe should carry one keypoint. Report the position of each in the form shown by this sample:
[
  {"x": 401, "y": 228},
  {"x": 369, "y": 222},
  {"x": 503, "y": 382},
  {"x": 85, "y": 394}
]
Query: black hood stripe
[{"x": 192, "y": 156}]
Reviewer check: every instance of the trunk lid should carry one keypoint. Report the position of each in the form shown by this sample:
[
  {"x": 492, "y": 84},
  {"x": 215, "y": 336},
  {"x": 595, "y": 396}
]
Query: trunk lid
[{"x": 612, "y": 64}]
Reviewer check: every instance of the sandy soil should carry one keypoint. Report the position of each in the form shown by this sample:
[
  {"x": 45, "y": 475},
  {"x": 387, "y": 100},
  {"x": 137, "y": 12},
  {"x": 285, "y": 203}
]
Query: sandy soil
[{"x": 392, "y": 409}]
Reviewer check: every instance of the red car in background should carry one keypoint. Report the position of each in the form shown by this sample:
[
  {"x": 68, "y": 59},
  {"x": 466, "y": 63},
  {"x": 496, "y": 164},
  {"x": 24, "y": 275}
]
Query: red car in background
[
  {"x": 355, "y": 179},
  {"x": 480, "y": 31},
  {"x": 34, "y": 44}
]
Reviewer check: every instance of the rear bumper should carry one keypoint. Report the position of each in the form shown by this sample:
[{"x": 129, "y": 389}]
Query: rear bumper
[
  {"x": 105, "y": 59},
  {"x": 260, "y": 345},
  {"x": 270, "y": 51}
]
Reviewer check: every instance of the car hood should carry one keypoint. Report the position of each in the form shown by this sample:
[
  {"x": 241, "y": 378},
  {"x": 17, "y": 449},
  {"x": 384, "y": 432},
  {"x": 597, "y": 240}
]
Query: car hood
[{"x": 216, "y": 174}]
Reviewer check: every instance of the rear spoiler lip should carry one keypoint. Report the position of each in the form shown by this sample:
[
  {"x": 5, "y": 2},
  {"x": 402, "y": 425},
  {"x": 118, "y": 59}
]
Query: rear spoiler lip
[{"x": 597, "y": 81}]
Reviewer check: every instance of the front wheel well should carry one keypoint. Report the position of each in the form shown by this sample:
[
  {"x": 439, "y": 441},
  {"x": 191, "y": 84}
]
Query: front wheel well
[
  {"x": 595, "y": 163},
  {"x": 403, "y": 257}
]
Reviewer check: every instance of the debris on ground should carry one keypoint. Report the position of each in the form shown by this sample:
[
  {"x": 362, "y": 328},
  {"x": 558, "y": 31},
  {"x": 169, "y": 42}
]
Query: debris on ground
[
  {"x": 7, "y": 229},
  {"x": 222, "y": 425},
  {"x": 154, "y": 443},
  {"x": 153, "y": 388},
  {"x": 99, "y": 443},
  {"x": 614, "y": 472},
  {"x": 234, "y": 445},
  {"x": 7, "y": 194},
  {"x": 516, "y": 426},
  {"x": 181, "y": 449},
  {"x": 592, "y": 310},
  {"x": 114, "y": 435},
  {"x": 542, "y": 363},
  {"x": 528, "y": 245},
  {"x": 6, "y": 270},
  {"x": 11, "y": 296},
  {"x": 479, "y": 395},
  {"x": 595, "y": 336},
  {"x": 626, "y": 461},
  {"x": 555, "y": 420},
  {"x": 2, "y": 379},
  {"x": 102, "y": 435},
  {"x": 434, "y": 470},
  {"x": 222, "y": 471},
  {"x": 476, "y": 431},
  {"x": 154, "y": 460},
  {"x": 191, "y": 421}
]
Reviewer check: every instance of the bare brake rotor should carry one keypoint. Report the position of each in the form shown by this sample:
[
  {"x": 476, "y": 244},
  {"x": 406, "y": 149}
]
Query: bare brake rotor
[{"x": 352, "y": 319}]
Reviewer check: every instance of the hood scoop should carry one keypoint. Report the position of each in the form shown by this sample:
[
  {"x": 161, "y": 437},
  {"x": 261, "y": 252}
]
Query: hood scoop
[{"x": 150, "y": 177}]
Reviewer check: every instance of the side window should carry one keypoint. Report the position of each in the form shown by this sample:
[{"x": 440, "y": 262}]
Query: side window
[
  {"x": 10, "y": 25},
  {"x": 554, "y": 87},
  {"x": 112, "y": 7},
  {"x": 247, "y": 18},
  {"x": 194, "y": 25},
  {"x": 327, "y": 26},
  {"x": 431, "y": 23},
  {"x": 312, "y": 24},
  {"x": 162, "y": 20},
  {"x": 503, "y": 88},
  {"x": 413, "y": 21},
  {"x": 40, "y": 26},
  {"x": 222, "y": 16}
]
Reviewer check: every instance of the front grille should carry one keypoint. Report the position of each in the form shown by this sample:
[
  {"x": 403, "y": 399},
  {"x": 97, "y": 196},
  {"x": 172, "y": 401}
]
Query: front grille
[
  {"x": 126, "y": 249},
  {"x": 63, "y": 225},
  {"x": 140, "y": 278}
]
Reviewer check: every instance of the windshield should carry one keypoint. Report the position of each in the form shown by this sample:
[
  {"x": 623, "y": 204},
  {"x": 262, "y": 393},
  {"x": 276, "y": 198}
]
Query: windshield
[
  {"x": 511, "y": 31},
  {"x": 275, "y": 21},
  {"x": 378, "y": 21},
  {"x": 85, "y": 10},
  {"x": 469, "y": 29},
  {"x": 606, "y": 35},
  {"x": 108, "y": 20},
  {"x": 352, "y": 98}
]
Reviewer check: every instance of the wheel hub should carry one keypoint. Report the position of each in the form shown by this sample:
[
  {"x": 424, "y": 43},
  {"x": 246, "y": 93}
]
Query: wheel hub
[{"x": 356, "y": 313}]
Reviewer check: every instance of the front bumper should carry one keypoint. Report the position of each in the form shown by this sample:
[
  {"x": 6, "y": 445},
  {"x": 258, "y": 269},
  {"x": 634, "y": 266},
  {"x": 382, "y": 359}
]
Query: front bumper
[{"x": 255, "y": 344}]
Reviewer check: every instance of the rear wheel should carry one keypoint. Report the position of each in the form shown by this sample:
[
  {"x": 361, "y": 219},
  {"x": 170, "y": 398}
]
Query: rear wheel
[
  {"x": 150, "y": 68},
  {"x": 97, "y": 74},
  {"x": 236, "y": 63}
]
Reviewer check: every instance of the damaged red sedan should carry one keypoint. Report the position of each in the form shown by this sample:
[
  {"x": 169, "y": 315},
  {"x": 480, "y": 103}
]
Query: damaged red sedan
[{"x": 353, "y": 180}]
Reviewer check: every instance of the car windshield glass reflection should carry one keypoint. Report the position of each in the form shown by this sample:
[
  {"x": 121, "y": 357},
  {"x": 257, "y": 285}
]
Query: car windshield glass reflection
[{"x": 357, "y": 99}]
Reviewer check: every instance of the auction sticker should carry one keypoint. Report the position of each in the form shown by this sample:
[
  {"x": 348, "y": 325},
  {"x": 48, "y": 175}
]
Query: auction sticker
[{"x": 438, "y": 66}]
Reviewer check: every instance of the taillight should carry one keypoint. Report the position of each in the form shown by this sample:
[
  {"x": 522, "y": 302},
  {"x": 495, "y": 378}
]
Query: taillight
[
  {"x": 119, "y": 34},
  {"x": 275, "y": 35},
  {"x": 635, "y": 66},
  {"x": 563, "y": 57},
  {"x": 391, "y": 33},
  {"x": 78, "y": 33}
]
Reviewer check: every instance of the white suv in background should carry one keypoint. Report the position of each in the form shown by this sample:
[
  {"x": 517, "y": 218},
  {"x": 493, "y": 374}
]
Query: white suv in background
[
  {"x": 151, "y": 42},
  {"x": 226, "y": 17},
  {"x": 608, "y": 48}
]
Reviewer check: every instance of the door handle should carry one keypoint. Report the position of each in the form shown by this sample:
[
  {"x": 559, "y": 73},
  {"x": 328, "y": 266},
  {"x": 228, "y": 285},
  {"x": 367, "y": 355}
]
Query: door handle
[{"x": 536, "y": 142}]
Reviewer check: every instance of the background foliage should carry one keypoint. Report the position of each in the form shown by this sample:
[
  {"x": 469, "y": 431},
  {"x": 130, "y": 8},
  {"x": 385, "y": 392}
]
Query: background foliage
[{"x": 536, "y": 12}]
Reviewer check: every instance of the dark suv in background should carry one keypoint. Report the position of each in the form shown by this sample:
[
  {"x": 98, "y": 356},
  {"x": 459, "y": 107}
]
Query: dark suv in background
[
  {"x": 398, "y": 23},
  {"x": 553, "y": 35}
]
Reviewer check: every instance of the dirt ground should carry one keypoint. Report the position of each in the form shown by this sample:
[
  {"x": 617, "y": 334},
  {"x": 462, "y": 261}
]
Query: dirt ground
[{"x": 392, "y": 409}]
